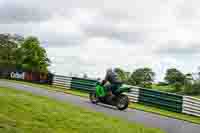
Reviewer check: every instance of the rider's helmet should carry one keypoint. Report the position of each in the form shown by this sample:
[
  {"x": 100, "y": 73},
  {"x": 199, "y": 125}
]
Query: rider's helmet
[
  {"x": 112, "y": 70},
  {"x": 109, "y": 70}
]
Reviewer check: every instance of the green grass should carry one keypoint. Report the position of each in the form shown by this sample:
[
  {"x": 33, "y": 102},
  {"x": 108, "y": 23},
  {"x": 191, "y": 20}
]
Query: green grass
[
  {"x": 197, "y": 96},
  {"x": 22, "y": 112},
  {"x": 163, "y": 88},
  {"x": 137, "y": 106}
]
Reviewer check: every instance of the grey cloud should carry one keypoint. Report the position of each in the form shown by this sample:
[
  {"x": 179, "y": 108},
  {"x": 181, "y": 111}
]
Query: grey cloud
[
  {"x": 106, "y": 25},
  {"x": 60, "y": 40},
  {"x": 175, "y": 48},
  {"x": 23, "y": 12},
  {"x": 48, "y": 38},
  {"x": 19, "y": 13},
  {"x": 115, "y": 34},
  {"x": 108, "y": 31},
  {"x": 73, "y": 60},
  {"x": 117, "y": 16},
  {"x": 188, "y": 10}
]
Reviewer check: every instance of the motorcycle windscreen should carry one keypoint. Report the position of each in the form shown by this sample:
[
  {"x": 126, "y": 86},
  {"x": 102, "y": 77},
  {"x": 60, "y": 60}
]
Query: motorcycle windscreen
[{"x": 124, "y": 88}]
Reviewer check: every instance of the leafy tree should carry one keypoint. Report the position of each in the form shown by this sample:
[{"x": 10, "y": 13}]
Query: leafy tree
[
  {"x": 123, "y": 75},
  {"x": 191, "y": 86},
  {"x": 9, "y": 45},
  {"x": 195, "y": 88},
  {"x": 188, "y": 87},
  {"x": 32, "y": 57},
  {"x": 142, "y": 77},
  {"x": 22, "y": 54},
  {"x": 173, "y": 75},
  {"x": 175, "y": 78}
]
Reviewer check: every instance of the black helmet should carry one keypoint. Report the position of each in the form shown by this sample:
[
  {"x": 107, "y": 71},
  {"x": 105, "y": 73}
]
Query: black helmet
[{"x": 109, "y": 70}]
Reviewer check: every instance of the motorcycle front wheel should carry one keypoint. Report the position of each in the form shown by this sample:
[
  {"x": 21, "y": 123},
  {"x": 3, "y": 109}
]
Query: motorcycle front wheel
[{"x": 122, "y": 102}]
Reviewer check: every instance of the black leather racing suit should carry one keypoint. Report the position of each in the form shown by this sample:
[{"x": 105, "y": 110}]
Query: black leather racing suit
[{"x": 114, "y": 80}]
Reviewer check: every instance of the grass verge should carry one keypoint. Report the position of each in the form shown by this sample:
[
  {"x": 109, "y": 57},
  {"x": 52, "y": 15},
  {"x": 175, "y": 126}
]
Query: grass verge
[
  {"x": 197, "y": 96},
  {"x": 189, "y": 118},
  {"x": 22, "y": 112},
  {"x": 163, "y": 88}
]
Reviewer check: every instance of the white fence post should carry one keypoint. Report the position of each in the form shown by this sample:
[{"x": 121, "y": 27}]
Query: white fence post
[
  {"x": 191, "y": 106},
  {"x": 62, "y": 81},
  {"x": 134, "y": 94}
]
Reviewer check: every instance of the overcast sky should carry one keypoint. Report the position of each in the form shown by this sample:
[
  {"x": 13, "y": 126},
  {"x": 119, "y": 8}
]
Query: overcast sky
[{"x": 88, "y": 36}]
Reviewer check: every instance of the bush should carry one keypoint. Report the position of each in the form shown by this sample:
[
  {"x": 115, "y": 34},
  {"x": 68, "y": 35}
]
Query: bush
[
  {"x": 146, "y": 85},
  {"x": 162, "y": 84},
  {"x": 188, "y": 88},
  {"x": 192, "y": 89},
  {"x": 177, "y": 86},
  {"x": 196, "y": 88}
]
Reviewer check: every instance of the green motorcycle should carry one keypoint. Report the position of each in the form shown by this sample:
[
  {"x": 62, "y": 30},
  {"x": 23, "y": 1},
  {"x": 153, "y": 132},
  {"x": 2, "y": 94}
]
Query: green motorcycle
[{"x": 119, "y": 100}]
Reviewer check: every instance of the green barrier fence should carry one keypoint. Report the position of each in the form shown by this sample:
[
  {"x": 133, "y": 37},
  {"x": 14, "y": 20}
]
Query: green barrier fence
[
  {"x": 150, "y": 97},
  {"x": 83, "y": 84},
  {"x": 162, "y": 100}
]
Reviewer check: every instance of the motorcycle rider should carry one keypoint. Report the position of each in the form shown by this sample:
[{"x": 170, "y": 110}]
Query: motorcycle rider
[{"x": 114, "y": 81}]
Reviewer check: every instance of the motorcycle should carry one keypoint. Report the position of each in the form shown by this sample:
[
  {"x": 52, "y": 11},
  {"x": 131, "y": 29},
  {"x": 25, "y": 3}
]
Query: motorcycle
[{"x": 119, "y": 100}]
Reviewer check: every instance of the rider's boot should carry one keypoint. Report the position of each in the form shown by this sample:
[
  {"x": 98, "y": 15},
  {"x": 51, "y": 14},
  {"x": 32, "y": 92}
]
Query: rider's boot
[{"x": 111, "y": 95}]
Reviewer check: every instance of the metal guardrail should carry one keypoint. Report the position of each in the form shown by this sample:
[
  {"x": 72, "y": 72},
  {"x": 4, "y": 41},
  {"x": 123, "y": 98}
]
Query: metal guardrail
[
  {"x": 167, "y": 101},
  {"x": 62, "y": 81},
  {"x": 133, "y": 95},
  {"x": 87, "y": 85},
  {"x": 83, "y": 84},
  {"x": 191, "y": 105}
]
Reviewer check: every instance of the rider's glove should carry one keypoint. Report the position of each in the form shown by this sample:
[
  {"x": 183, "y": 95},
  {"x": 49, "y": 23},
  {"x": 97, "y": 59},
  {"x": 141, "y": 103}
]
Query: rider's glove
[{"x": 103, "y": 82}]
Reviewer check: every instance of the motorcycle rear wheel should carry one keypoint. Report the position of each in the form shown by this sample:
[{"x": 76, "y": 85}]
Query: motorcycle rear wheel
[{"x": 93, "y": 98}]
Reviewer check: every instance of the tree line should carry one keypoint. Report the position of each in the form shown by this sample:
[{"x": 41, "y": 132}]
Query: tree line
[
  {"x": 26, "y": 54},
  {"x": 22, "y": 53},
  {"x": 174, "y": 78}
]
